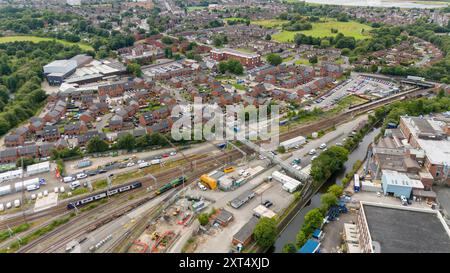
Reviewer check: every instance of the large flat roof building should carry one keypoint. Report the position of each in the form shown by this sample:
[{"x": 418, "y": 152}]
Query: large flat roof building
[{"x": 386, "y": 228}]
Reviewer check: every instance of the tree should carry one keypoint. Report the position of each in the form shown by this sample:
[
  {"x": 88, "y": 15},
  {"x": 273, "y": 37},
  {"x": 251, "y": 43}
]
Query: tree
[
  {"x": 166, "y": 40},
  {"x": 281, "y": 149},
  {"x": 223, "y": 67},
  {"x": 127, "y": 142},
  {"x": 289, "y": 248},
  {"x": 328, "y": 200},
  {"x": 203, "y": 218},
  {"x": 274, "y": 59},
  {"x": 336, "y": 190},
  {"x": 313, "y": 59},
  {"x": 96, "y": 145},
  {"x": 268, "y": 37},
  {"x": 134, "y": 69},
  {"x": 300, "y": 239},
  {"x": 313, "y": 220},
  {"x": 265, "y": 232}
]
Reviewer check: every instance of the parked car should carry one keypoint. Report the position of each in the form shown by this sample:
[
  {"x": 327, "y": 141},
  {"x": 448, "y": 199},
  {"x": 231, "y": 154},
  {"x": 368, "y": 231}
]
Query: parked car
[
  {"x": 267, "y": 203},
  {"x": 323, "y": 146},
  {"x": 130, "y": 164},
  {"x": 68, "y": 179},
  {"x": 201, "y": 186},
  {"x": 165, "y": 155},
  {"x": 173, "y": 153},
  {"x": 312, "y": 152},
  {"x": 81, "y": 176},
  {"x": 75, "y": 185}
]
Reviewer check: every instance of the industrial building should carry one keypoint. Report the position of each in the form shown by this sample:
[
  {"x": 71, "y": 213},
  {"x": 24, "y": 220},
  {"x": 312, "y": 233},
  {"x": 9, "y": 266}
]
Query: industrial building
[
  {"x": 383, "y": 228},
  {"x": 58, "y": 70}
]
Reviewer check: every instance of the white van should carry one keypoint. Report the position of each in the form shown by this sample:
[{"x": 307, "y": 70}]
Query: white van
[
  {"x": 32, "y": 187},
  {"x": 8, "y": 205},
  {"x": 17, "y": 203},
  {"x": 2, "y": 207},
  {"x": 33, "y": 196},
  {"x": 75, "y": 185},
  {"x": 61, "y": 190},
  {"x": 312, "y": 151},
  {"x": 68, "y": 179},
  {"x": 143, "y": 165},
  {"x": 56, "y": 189}
]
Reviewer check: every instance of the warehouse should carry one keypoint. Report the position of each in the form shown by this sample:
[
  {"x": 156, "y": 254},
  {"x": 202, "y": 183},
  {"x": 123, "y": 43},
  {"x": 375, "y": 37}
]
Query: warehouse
[
  {"x": 397, "y": 229},
  {"x": 38, "y": 168},
  {"x": 58, "y": 70},
  {"x": 396, "y": 183},
  {"x": 291, "y": 143},
  {"x": 289, "y": 184}
]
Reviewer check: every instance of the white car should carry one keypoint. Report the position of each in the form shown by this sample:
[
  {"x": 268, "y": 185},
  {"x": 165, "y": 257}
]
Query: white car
[
  {"x": 61, "y": 190},
  {"x": 39, "y": 195},
  {"x": 81, "y": 175},
  {"x": 201, "y": 186},
  {"x": 75, "y": 185},
  {"x": 33, "y": 196},
  {"x": 56, "y": 189},
  {"x": 314, "y": 157},
  {"x": 45, "y": 193},
  {"x": 130, "y": 164},
  {"x": 172, "y": 153},
  {"x": 323, "y": 146},
  {"x": 312, "y": 152},
  {"x": 298, "y": 168},
  {"x": 2, "y": 207},
  {"x": 68, "y": 179},
  {"x": 140, "y": 161},
  {"x": 8, "y": 205}
]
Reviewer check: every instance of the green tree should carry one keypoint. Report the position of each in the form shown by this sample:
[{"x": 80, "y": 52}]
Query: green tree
[
  {"x": 268, "y": 37},
  {"x": 289, "y": 248},
  {"x": 203, "y": 218},
  {"x": 313, "y": 59},
  {"x": 281, "y": 149},
  {"x": 134, "y": 69},
  {"x": 301, "y": 239},
  {"x": 127, "y": 142},
  {"x": 274, "y": 59},
  {"x": 265, "y": 232},
  {"x": 328, "y": 200},
  {"x": 96, "y": 145},
  {"x": 313, "y": 220},
  {"x": 336, "y": 190}
]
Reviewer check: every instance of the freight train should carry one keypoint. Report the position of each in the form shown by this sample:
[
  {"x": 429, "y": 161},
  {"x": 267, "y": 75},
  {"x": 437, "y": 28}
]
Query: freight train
[
  {"x": 173, "y": 184},
  {"x": 103, "y": 194}
]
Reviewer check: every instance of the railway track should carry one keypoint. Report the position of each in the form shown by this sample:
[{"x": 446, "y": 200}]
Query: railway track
[
  {"x": 73, "y": 229},
  {"x": 302, "y": 130}
]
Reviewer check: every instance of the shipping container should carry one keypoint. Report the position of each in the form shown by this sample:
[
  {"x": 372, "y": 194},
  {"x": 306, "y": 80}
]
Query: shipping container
[
  {"x": 11, "y": 175},
  {"x": 5, "y": 190},
  {"x": 84, "y": 163},
  {"x": 23, "y": 185},
  {"x": 291, "y": 143},
  {"x": 38, "y": 168}
]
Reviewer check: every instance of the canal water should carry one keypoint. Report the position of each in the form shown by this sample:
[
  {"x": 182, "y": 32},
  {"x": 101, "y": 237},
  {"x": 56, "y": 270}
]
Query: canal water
[{"x": 289, "y": 233}]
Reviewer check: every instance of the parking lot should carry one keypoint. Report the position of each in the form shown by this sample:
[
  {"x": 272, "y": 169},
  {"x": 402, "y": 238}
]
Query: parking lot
[{"x": 361, "y": 85}]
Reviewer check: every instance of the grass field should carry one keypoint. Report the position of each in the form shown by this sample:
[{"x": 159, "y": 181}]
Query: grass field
[
  {"x": 272, "y": 23},
  {"x": 35, "y": 39},
  {"x": 352, "y": 28}
]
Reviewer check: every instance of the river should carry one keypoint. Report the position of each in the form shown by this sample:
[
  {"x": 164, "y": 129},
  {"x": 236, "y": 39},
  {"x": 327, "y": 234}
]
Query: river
[
  {"x": 289, "y": 233},
  {"x": 381, "y": 3}
]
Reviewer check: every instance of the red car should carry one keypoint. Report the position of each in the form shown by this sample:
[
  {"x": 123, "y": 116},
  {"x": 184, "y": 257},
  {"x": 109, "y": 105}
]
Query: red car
[{"x": 165, "y": 155}]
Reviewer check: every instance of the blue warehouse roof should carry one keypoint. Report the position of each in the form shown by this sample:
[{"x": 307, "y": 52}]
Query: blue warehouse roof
[{"x": 311, "y": 246}]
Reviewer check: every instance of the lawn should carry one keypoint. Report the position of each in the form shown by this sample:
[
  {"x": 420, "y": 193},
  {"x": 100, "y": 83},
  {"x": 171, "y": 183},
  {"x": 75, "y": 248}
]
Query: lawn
[
  {"x": 35, "y": 39},
  {"x": 302, "y": 61},
  {"x": 271, "y": 23},
  {"x": 352, "y": 28}
]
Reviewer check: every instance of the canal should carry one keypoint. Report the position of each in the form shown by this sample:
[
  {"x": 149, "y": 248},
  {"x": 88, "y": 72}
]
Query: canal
[{"x": 289, "y": 233}]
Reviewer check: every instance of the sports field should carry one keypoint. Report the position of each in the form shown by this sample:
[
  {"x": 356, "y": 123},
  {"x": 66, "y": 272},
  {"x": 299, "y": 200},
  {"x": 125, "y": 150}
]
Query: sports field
[
  {"x": 35, "y": 39},
  {"x": 354, "y": 29}
]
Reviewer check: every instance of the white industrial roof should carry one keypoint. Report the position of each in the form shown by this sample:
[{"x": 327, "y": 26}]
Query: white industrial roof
[{"x": 397, "y": 179}]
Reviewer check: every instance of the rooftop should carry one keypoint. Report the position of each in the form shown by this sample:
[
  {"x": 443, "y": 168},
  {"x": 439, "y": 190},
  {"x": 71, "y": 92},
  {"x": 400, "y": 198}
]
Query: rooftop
[{"x": 400, "y": 230}]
